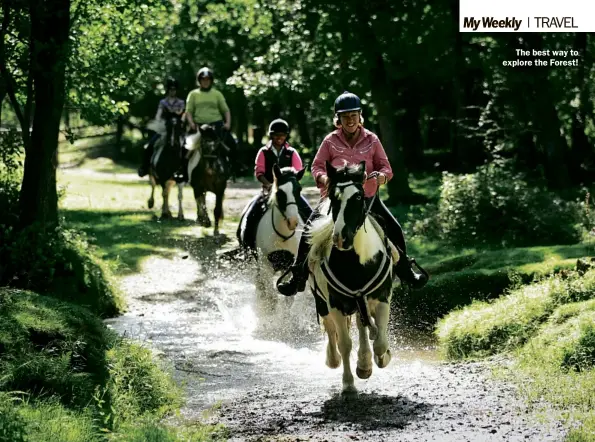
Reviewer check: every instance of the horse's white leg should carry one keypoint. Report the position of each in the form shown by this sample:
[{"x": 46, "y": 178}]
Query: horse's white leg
[
  {"x": 364, "y": 353},
  {"x": 151, "y": 202},
  {"x": 333, "y": 360},
  {"x": 382, "y": 355},
  {"x": 180, "y": 197},
  {"x": 345, "y": 345},
  {"x": 165, "y": 212},
  {"x": 265, "y": 302}
]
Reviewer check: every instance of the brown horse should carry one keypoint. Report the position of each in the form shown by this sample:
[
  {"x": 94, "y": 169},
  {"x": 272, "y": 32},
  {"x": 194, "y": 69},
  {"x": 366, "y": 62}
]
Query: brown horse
[{"x": 210, "y": 175}]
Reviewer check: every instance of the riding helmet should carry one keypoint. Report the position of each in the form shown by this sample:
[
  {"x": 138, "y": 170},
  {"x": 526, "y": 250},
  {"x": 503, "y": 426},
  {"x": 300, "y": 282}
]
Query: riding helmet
[
  {"x": 171, "y": 83},
  {"x": 347, "y": 102},
  {"x": 204, "y": 72},
  {"x": 279, "y": 125}
]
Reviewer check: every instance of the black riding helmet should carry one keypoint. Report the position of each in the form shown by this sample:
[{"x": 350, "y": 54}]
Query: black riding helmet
[
  {"x": 280, "y": 126},
  {"x": 171, "y": 83},
  {"x": 203, "y": 73},
  {"x": 347, "y": 102}
]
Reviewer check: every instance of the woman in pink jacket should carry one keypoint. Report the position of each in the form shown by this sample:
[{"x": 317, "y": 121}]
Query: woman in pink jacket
[{"x": 353, "y": 143}]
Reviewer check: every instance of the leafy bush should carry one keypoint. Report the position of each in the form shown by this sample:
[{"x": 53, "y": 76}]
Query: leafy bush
[
  {"x": 59, "y": 262},
  {"x": 497, "y": 205}
]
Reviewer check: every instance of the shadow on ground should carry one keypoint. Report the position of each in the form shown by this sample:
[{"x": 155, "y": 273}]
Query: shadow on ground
[{"x": 371, "y": 411}]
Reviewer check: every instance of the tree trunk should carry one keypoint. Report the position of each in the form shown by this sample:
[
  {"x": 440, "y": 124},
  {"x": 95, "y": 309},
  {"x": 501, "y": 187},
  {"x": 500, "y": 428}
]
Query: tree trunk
[
  {"x": 581, "y": 147},
  {"x": 258, "y": 116},
  {"x": 398, "y": 187},
  {"x": 50, "y": 23},
  {"x": 302, "y": 123},
  {"x": 411, "y": 129}
]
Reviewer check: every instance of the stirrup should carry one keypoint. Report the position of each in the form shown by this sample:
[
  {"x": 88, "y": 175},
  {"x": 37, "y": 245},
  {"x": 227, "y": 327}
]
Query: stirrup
[{"x": 413, "y": 262}]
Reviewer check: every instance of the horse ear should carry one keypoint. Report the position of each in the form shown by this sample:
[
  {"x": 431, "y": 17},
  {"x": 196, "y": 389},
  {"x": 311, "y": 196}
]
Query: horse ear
[
  {"x": 276, "y": 171},
  {"x": 330, "y": 170},
  {"x": 300, "y": 174},
  {"x": 362, "y": 168}
]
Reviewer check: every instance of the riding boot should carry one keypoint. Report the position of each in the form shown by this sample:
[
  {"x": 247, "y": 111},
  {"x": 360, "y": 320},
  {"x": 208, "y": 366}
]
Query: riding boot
[
  {"x": 394, "y": 232},
  {"x": 405, "y": 272},
  {"x": 299, "y": 271}
]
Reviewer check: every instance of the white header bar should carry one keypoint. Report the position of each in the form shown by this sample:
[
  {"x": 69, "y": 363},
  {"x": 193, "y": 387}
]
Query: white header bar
[{"x": 527, "y": 16}]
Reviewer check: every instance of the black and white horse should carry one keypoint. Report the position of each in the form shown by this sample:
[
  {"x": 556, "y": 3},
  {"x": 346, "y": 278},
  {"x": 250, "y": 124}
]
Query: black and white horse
[
  {"x": 166, "y": 161},
  {"x": 278, "y": 235},
  {"x": 351, "y": 266}
]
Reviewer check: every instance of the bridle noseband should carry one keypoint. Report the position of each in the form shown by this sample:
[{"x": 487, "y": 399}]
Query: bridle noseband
[{"x": 284, "y": 237}]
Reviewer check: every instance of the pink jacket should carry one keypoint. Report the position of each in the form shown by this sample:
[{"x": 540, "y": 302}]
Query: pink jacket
[
  {"x": 337, "y": 151},
  {"x": 260, "y": 163}
]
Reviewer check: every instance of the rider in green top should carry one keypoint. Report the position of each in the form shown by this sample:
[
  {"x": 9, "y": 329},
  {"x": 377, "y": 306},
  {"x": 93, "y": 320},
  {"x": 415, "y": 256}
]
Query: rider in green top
[{"x": 207, "y": 105}]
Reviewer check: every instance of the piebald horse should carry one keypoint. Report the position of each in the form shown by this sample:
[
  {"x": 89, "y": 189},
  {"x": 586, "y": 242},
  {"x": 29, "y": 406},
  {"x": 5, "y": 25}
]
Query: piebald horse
[
  {"x": 351, "y": 265},
  {"x": 278, "y": 235},
  {"x": 166, "y": 160}
]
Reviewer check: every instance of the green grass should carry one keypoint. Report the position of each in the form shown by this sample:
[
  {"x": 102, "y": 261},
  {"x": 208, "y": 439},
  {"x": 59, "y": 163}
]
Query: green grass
[
  {"x": 549, "y": 329},
  {"x": 65, "y": 377},
  {"x": 112, "y": 210}
]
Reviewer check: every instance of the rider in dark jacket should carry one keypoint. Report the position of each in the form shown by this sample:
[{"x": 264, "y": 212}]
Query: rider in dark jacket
[
  {"x": 171, "y": 103},
  {"x": 276, "y": 151}
]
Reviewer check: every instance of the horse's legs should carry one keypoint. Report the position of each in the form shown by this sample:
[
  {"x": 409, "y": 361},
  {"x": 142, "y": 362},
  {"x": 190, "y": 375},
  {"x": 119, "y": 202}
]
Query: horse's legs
[
  {"x": 165, "y": 212},
  {"x": 219, "y": 208},
  {"x": 364, "y": 353},
  {"x": 265, "y": 300},
  {"x": 345, "y": 345},
  {"x": 333, "y": 360},
  {"x": 202, "y": 217},
  {"x": 381, "y": 312},
  {"x": 180, "y": 197},
  {"x": 151, "y": 202}
]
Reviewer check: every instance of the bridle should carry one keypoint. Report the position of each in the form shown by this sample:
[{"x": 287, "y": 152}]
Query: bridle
[
  {"x": 365, "y": 211},
  {"x": 275, "y": 205}
]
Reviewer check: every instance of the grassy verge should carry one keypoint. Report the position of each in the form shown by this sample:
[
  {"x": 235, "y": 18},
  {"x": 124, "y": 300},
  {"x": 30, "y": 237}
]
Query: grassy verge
[
  {"x": 66, "y": 377},
  {"x": 549, "y": 329}
]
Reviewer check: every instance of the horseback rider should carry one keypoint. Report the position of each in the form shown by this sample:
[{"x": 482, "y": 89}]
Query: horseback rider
[
  {"x": 172, "y": 104},
  {"x": 276, "y": 151},
  {"x": 352, "y": 143},
  {"x": 207, "y": 105}
]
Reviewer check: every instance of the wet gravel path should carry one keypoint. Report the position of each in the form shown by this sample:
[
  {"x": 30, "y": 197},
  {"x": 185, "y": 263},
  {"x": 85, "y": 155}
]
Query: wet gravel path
[{"x": 267, "y": 380}]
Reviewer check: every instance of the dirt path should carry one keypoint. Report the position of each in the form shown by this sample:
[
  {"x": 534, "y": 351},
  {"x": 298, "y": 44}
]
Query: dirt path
[{"x": 268, "y": 380}]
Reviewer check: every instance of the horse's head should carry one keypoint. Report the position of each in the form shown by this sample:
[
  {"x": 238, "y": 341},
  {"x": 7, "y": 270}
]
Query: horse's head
[
  {"x": 286, "y": 191},
  {"x": 346, "y": 195},
  {"x": 174, "y": 126},
  {"x": 209, "y": 140}
]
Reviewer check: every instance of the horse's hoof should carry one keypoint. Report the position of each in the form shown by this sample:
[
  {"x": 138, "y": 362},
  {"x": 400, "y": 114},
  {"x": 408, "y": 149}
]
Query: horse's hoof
[
  {"x": 165, "y": 216},
  {"x": 363, "y": 374},
  {"x": 181, "y": 217},
  {"x": 349, "y": 391},
  {"x": 384, "y": 360},
  {"x": 151, "y": 203}
]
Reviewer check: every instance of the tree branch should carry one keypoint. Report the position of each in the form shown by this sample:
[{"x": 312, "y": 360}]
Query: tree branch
[{"x": 8, "y": 80}]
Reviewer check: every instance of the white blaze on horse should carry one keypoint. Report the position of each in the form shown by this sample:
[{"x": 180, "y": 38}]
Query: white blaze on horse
[
  {"x": 351, "y": 266},
  {"x": 166, "y": 160},
  {"x": 278, "y": 235}
]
